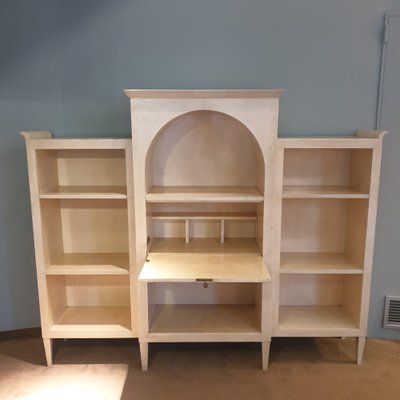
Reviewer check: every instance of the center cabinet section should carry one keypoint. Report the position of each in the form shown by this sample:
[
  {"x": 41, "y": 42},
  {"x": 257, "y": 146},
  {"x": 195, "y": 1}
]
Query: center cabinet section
[{"x": 202, "y": 174}]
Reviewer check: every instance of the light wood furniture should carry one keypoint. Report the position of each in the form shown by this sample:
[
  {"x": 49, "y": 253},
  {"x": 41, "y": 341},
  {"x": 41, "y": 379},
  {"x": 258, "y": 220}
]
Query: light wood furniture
[
  {"x": 82, "y": 210},
  {"x": 206, "y": 227},
  {"x": 329, "y": 199},
  {"x": 204, "y": 191}
]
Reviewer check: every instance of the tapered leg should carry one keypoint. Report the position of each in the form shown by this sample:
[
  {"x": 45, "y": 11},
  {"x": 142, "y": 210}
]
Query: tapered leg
[
  {"x": 265, "y": 354},
  {"x": 144, "y": 354},
  {"x": 48, "y": 350},
  {"x": 360, "y": 349}
]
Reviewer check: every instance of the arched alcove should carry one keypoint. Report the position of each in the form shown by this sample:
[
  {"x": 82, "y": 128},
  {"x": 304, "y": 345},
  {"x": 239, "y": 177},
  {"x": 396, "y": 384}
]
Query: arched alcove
[{"x": 204, "y": 148}]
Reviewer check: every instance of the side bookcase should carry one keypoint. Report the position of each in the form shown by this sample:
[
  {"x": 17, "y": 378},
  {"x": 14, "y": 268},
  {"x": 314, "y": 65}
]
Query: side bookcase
[
  {"x": 329, "y": 200},
  {"x": 82, "y": 199}
]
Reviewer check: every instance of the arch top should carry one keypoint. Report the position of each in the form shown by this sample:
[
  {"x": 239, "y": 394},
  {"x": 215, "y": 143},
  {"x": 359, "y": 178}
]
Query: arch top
[{"x": 202, "y": 94}]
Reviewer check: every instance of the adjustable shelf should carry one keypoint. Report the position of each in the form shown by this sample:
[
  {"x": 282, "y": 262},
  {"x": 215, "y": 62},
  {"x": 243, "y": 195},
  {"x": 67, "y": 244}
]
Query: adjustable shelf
[
  {"x": 318, "y": 263},
  {"x": 205, "y": 216},
  {"x": 84, "y": 192},
  {"x": 322, "y": 192},
  {"x": 195, "y": 194},
  {"x": 90, "y": 264}
]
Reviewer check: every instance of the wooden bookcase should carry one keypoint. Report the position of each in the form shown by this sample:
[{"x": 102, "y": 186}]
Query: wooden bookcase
[
  {"x": 205, "y": 227},
  {"x": 329, "y": 199},
  {"x": 81, "y": 196}
]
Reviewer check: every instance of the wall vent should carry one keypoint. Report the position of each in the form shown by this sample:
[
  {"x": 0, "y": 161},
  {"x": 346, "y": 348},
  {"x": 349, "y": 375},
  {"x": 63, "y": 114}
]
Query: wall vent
[{"x": 392, "y": 312}]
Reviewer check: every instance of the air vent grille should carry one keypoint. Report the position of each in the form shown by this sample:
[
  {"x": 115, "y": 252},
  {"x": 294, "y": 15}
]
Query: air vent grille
[{"x": 392, "y": 312}]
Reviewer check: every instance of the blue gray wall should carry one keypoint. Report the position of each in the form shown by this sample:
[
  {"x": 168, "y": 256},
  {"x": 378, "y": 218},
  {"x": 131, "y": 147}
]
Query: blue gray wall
[{"x": 64, "y": 65}]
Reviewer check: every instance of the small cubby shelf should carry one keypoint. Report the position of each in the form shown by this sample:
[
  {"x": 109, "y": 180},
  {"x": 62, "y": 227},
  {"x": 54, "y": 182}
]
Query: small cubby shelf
[
  {"x": 85, "y": 236},
  {"x": 81, "y": 174},
  {"x": 306, "y": 321},
  {"x": 320, "y": 305},
  {"x": 94, "y": 321},
  {"x": 327, "y": 173},
  {"x": 86, "y": 306},
  {"x": 324, "y": 235}
]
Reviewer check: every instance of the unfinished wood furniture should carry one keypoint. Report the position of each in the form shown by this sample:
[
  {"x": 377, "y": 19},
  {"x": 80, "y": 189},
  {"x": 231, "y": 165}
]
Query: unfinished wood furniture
[
  {"x": 204, "y": 193},
  {"x": 206, "y": 227},
  {"x": 81, "y": 199}
]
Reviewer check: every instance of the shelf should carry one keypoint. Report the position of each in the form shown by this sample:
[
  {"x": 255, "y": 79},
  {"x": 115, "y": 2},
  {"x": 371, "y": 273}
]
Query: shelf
[
  {"x": 242, "y": 246},
  {"x": 318, "y": 263},
  {"x": 99, "y": 322},
  {"x": 204, "y": 216},
  {"x": 90, "y": 264},
  {"x": 322, "y": 192},
  {"x": 315, "y": 321},
  {"x": 205, "y": 322},
  {"x": 237, "y": 260},
  {"x": 195, "y": 194},
  {"x": 84, "y": 192}
]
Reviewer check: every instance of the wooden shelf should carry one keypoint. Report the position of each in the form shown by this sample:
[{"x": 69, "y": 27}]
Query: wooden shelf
[
  {"x": 242, "y": 246},
  {"x": 204, "y": 322},
  {"x": 84, "y": 192},
  {"x": 205, "y": 216},
  {"x": 99, "y": 322},
  {"x": 322, "y": 192},
  {"x": 315, "y": 321},
  {"x": 318, "y": 263},
  {"x": 195, "y": 194},
  {"x": 90, "y": 264}
]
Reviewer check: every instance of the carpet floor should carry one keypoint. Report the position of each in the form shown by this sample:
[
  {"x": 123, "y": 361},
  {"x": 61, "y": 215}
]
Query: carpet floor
[{"x": 110, "y": 369}]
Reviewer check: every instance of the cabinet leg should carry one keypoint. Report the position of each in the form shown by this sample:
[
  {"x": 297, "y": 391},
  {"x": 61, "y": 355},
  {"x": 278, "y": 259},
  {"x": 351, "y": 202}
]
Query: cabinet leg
[
  {"x": 144, "y": 354},
  {"x": 48, "y": 350},
  {"x": 265, "y": 346},
  {"x": 360, "y": 348}
]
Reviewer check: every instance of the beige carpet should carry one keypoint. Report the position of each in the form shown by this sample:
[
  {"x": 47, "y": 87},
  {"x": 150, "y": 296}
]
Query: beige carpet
[
  {"x": 299, "y": 369},
  {"x": 22, "y": 380}
]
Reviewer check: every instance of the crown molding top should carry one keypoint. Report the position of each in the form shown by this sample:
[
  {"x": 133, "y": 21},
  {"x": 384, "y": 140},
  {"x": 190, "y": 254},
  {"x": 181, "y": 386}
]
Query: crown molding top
[{"x": 213, "y": 93}]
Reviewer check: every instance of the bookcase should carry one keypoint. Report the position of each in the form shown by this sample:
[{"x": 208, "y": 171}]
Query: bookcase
[
  {"x": 328, "y": 199},
  {"x": 205, "y": 227},
  {"x": 81, "y": 197}
]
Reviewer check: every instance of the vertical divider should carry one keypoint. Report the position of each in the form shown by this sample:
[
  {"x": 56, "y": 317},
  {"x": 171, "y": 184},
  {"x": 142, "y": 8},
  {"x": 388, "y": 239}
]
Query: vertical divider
[
  {"x": 187, "y": 235},
  {"x": 222, "y": 231}
]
